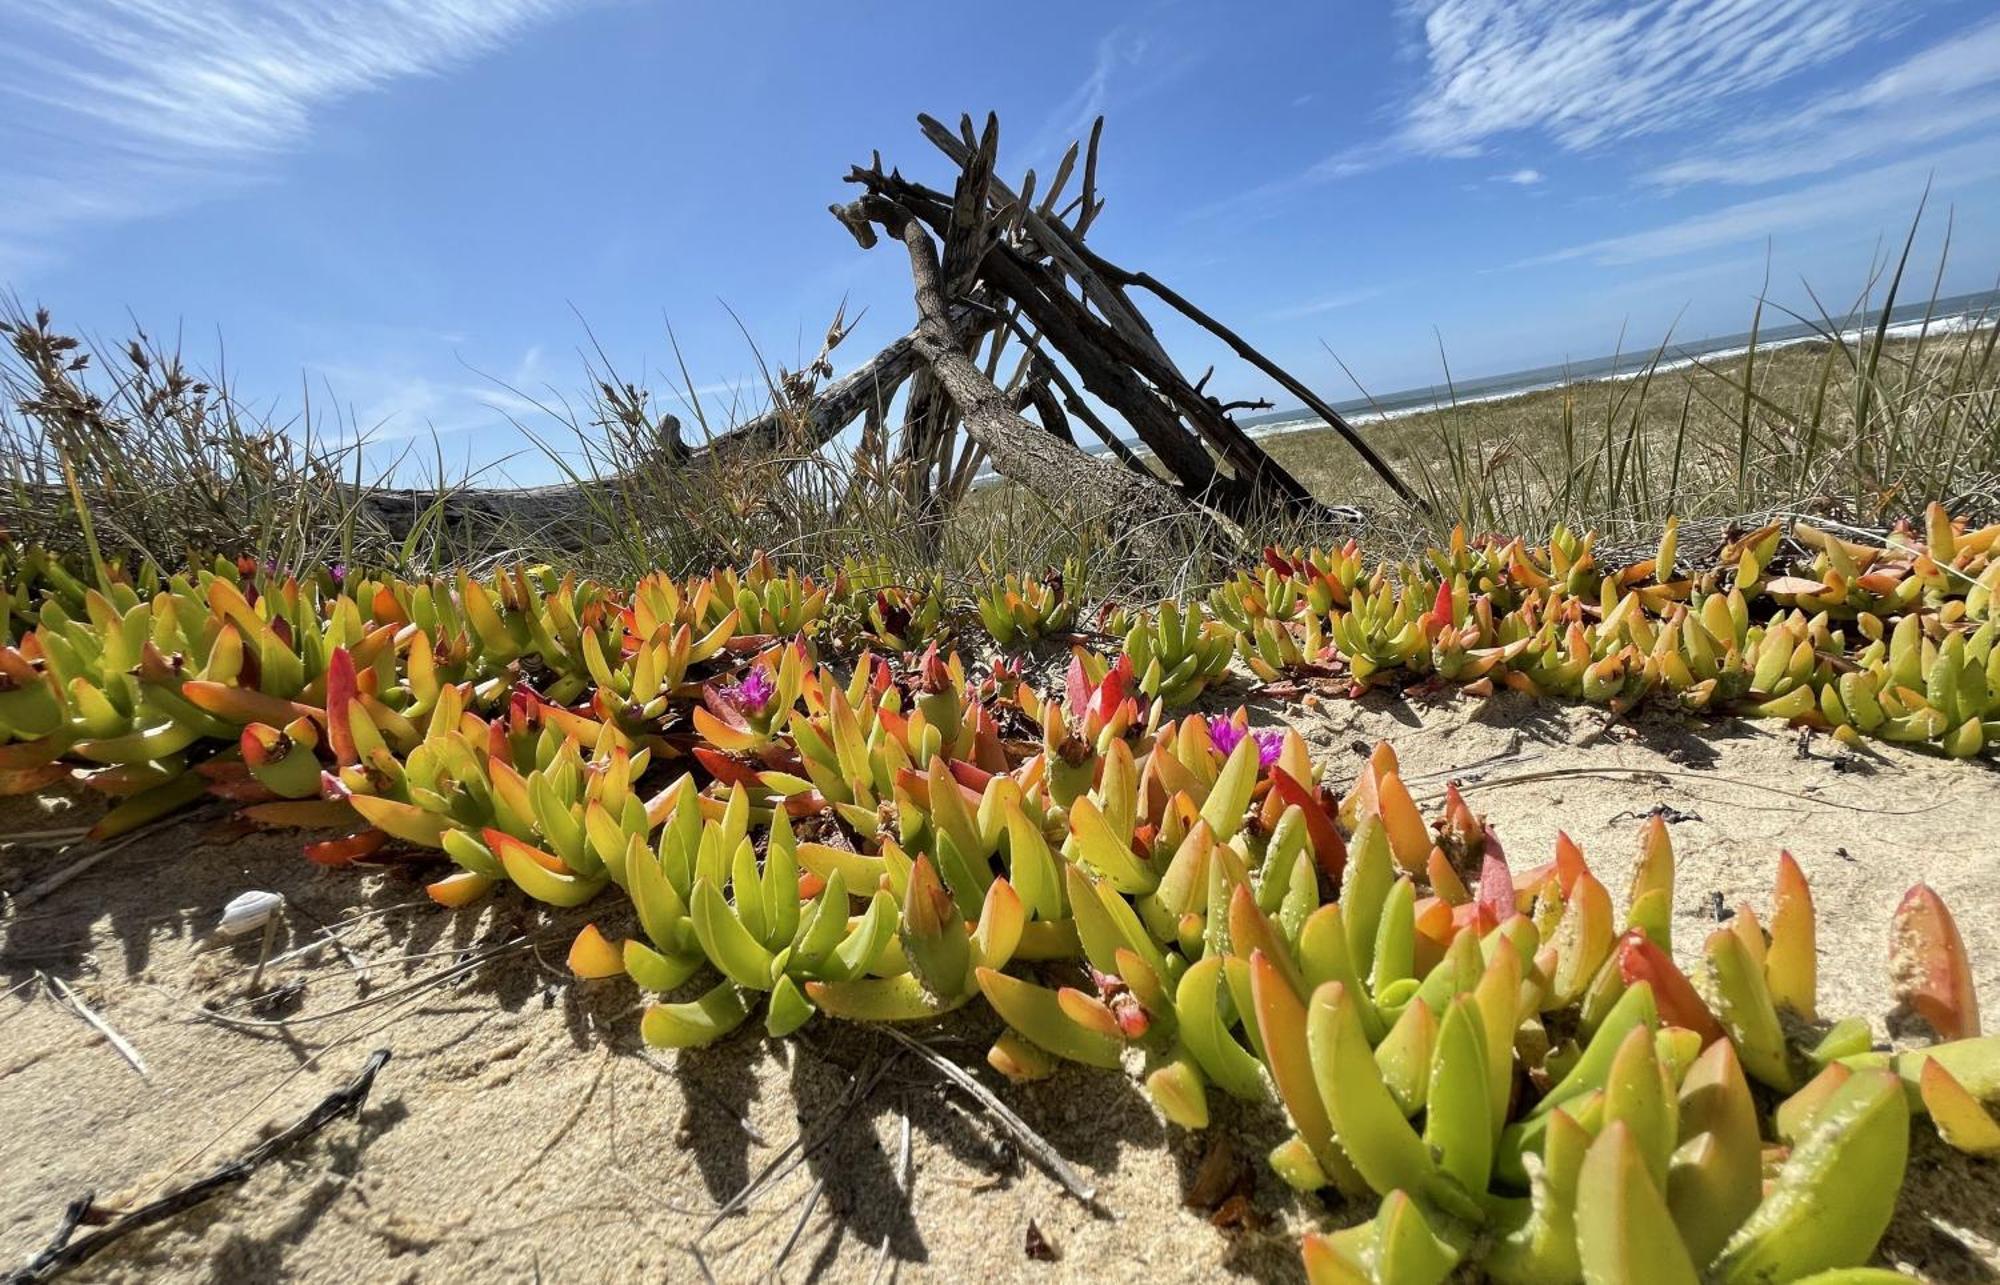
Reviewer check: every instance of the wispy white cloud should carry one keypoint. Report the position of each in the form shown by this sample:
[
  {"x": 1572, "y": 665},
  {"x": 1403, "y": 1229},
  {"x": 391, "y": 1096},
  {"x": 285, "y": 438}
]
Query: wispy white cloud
[
  {"x": 391, "y": 405},
  {"x": 1259, "y": 200},
  {"x": 1087, "y": 101},
  {"x": 1330, "y": 303},
  {"x": 1520, "y": 177},
  {"x": 1590, "y": 72},
  {"x": 1949, "y": 88},
  {"x": 1745, "y": 271},
  {"x": 1350, "y": 161},
  {"x": 537, "y": 388},
  {"x": 410, "y": 385},
  {"x": 1580, "y": 74},
  {"x": 1850, "y": 196},
  {"x": 1126, "y": 67},
  {"x": 113, "y": 108}
]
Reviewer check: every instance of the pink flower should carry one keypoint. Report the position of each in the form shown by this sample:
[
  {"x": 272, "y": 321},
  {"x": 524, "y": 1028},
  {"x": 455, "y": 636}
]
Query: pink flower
[
  {"x": 753, "y": 693},
  {"x": 1225, "y": 735}
]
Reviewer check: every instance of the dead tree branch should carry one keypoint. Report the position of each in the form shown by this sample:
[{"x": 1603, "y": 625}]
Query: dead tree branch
[
  {"x": 1056, "y": 472},
  {"x": 1103, "y": 284},
  {"x": 1241, "y": 347},
  {"x": 1113, "y": 349}
]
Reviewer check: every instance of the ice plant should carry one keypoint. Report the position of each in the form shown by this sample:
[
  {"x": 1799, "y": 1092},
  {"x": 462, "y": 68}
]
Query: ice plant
[
  {"x": 745, "y": 716},
  {"x": 1098, "y": 708},
  {"x": 1176, "y": 651},
  {"x": 902, "y": 619},
  {"x": 1020, "y": 611},
  {"x": 1553, "y": 621},
  {"x": 763, "y": 599},
  {"x": 1514, "y": 1065},
  {"x": 1263, "y": 594}
]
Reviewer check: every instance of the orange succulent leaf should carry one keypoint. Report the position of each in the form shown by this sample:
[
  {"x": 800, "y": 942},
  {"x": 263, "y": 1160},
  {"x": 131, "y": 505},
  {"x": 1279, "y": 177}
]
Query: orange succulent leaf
[
  {"x": 1928, "y": 967},
  {"x": 502, "y": 842},
  {"x": 726, "y": 768},
  {"x": 592, "y": 955},
  {"x": 461, "y": 888},
  {"x": 1791, "y": 964},
  {"x": 1962, "y": 1120},
  {"x": 340, "y": 694},
  {"x": 1409, "y": 838},
  {"x": 346, "y": 850},
  {"x": 1639, "y": 960},
  {"x": 1329, "y": 850},
  {"x": 1444, "y": 879},
  {"x": 720, "y": 734},
  {"x": 1570, "y": 865}
]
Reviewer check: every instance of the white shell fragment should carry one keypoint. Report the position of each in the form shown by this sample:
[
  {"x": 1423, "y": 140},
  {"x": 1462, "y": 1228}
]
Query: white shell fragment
[{"x": 249, "y": 911}]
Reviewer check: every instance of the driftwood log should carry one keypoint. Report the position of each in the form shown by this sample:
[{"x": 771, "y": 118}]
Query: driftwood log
[{"x": 796, "y": 429}]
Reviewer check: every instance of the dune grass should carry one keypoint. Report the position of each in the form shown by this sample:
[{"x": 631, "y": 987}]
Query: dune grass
[
  {"x": 1861, "y": 423},
  {"x": 1871, "y": 432},
  {"x": 125, "y": 446}
]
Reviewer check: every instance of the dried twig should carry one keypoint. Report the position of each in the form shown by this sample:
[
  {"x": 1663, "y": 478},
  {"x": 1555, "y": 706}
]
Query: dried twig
[
  {"x": 331, "y": 938},
  {"x": 58, "y": 837},
  {"x": 1515, "y": 752},
  {"x": 799, "y": 1227},
  {"x": 1708, "y": 778},
  {"x": 64, "y": 1253},
  {"x": 415, "y": 995},
  {"x": 903, "y": 1176},
  {"x": 428, "y": 983},
  {"x": 333, "y": 931},
  {"x": 102, "y": 1027},
  {"x": 1047, "y": 1156},
  {"x": 36, "y": 891}
]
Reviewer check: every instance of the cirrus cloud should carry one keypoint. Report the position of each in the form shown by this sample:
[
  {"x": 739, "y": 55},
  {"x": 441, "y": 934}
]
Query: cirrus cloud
[{"x": 120, "y": 107}]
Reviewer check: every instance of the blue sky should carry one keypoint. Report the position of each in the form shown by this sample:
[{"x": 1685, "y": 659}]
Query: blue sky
[{"x": 401, "y": 206}]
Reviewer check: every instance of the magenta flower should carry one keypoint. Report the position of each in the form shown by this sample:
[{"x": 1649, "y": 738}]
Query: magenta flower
[
  {"x": 754, "y": 692},
  {"x": 1226, "y": 736},
  {"x": 338, "y": 571}
]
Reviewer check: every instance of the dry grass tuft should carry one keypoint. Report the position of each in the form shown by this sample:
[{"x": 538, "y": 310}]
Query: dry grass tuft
[{"x": 127, "y": 447}]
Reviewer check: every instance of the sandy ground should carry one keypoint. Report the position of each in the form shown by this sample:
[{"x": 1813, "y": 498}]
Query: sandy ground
[{"x": 522, "y": 1131}]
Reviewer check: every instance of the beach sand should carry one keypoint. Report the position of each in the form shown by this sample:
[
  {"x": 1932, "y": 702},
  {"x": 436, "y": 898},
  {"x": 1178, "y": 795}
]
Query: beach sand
[{"x": 523, "y": 1132}]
